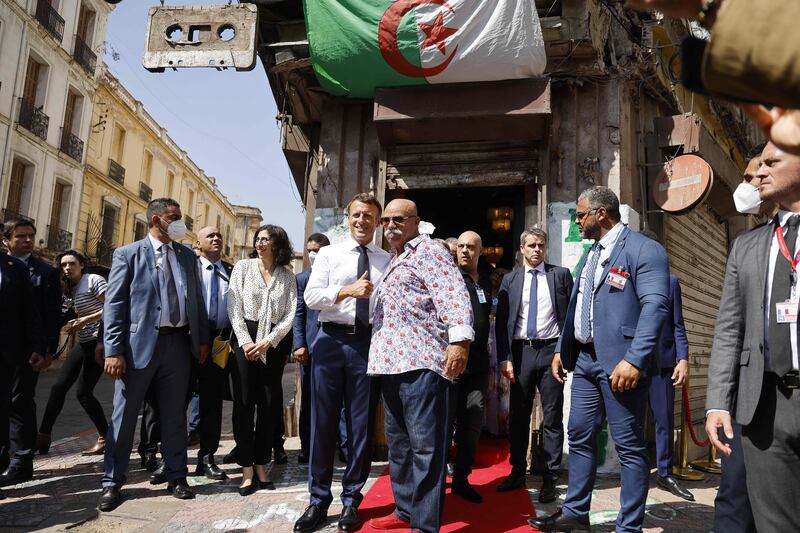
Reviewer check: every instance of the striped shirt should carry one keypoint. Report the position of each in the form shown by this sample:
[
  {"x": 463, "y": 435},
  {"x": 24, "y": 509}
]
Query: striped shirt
[{"x": 86, "y": 297}]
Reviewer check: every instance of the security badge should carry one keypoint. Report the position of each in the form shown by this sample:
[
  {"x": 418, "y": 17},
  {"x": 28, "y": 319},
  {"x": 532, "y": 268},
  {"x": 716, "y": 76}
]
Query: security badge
[
  {"x": 481, "y": 294},
  {"x": 786, "y": 312},
  {"x": 617, "y": 277}
]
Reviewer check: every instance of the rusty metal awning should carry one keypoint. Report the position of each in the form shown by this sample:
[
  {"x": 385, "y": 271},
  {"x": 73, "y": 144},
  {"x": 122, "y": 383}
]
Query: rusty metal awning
[{"x": 514, "y": 110}]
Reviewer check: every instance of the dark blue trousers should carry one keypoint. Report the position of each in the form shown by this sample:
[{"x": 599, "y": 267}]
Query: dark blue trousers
[
  {"x": 417, "y": 424},
  {"x": 305, "y": 414},
  {"x": 662, "y": 401},
  {"x": 591, "y": 396},
  {"x": 732, "y": 512},
  {"x": 168, "y": 372},
  {"x": 339, "y": 374}
]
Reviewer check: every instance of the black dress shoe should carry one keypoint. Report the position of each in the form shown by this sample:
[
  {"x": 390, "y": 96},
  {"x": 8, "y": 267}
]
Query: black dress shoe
[
  {"x": 311, "y": 519},
  {"x": 110, "y": 499},
  {"x": 512, "y": 482},
  {"x": 193, "y": 438},
  {"x": 14, "y": 475},
  {"x": 670, "y": 484},
  {"x": 462, "y": 487},
  {"x": 558, "y": 522},
  {"x": 302, "y": 458},
  {"x": 230, "y": 457},
  {"x": 547, "y": 493},
  {"x": 5, "y": 460},
  {"x": 249, "y": 489},
  {"x": 281, "y": 458},
  {"x": 180, "y": 489},
  {"x": 150, "y": 462},
  {"x": 349, "y": 520},
  {"x": 206, "y": 467},
  {"x": 266, "y": 485},
  {"x": 159, "y": 476}
]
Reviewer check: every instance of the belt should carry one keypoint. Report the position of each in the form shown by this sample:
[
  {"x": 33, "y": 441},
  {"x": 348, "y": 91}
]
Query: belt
[
  {"x": 586, "y": 348},
  {"x": 169, "y": 330},
  {"x": 790, "y": 380},
  {"x": 537, "y": 343},
  {"x": 346, "y": 329}
]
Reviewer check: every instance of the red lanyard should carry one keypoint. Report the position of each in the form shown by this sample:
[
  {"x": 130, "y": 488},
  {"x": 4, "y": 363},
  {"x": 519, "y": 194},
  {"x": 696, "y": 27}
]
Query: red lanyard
[{"x": 785, "y": 250}]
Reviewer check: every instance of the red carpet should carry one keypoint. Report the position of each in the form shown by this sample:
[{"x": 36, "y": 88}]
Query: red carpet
[{"x": 499, "y": 512}]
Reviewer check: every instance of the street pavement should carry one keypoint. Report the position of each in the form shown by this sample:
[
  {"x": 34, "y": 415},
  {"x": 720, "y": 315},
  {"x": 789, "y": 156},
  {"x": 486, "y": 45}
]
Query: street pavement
[{"x": 63, "y": 494}]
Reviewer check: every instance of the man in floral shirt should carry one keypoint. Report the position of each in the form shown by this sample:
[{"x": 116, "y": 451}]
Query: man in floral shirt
[{"x": 422, "y": 329}]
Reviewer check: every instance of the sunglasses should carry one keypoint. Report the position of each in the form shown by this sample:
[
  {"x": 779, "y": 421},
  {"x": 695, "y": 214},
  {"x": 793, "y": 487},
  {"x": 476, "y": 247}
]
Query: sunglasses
[{"x": 397, "y": 220}]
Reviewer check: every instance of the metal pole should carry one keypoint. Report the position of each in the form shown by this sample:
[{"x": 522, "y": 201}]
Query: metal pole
[
  {"x": 710, "y": 464},
  {"x": 684, "y": 471}
]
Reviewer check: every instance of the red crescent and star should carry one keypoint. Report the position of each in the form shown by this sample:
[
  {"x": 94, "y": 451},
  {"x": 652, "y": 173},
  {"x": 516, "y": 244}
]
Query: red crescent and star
[{"x": 436, "y": 34}]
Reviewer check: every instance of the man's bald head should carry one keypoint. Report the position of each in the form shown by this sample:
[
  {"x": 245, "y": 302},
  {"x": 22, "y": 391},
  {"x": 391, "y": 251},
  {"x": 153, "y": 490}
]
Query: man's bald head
[
  {"x": 209, "y": 242},
  {"x": 402, "y": 206},
  {"x": 400, "y": 222},
  {"x": 469, "y": 250}
]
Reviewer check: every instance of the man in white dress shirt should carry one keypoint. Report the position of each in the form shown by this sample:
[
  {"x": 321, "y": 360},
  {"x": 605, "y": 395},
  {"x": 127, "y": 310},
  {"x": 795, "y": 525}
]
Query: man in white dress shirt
[{"x": 341, "y": 286}]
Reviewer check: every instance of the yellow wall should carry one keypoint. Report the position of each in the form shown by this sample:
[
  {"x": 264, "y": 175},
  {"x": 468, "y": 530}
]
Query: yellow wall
[{"x": 116, "y": 110}]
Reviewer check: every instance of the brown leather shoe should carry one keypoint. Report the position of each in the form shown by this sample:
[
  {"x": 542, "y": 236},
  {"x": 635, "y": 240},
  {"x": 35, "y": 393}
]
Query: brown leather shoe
[
  {"x": 99, "y": 447},
  {"x": 42, "y": 443}
]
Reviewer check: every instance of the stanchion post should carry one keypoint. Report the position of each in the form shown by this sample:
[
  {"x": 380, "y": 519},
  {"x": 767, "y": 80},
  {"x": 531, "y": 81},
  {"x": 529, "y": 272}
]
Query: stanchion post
[
  {"x": 684, "y": 471},
  {"x": 710, "y": 464}
]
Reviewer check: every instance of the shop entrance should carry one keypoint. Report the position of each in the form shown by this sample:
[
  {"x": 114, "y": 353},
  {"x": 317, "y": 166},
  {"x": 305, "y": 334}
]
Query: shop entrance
[{"x": 497, "y": 214}]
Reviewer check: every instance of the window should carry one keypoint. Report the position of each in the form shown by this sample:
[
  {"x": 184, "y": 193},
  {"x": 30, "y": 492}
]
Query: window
[
  {"x": 82, "y": 52},
  {"x": 118, "y": 143},
  {"x": 206, "y": 220},
  {"x": 31, "y": 113},
  {"x": 219, "y": 222},
  {"x": 58, "y": 238},
  {"x": 190, "y": 203},
  {"x": 147, "y": 167},
  {"x": 71, "y": 143},
  {"x": 20, "y": 190},
  {"x": 170, "y": 183},
  {"x": 108, "y": 234},
  {"x": 139, "y": 229}
]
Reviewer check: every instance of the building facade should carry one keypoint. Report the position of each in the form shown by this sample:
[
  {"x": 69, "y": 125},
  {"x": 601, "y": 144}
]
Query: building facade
[
  {"x": 248, "y": 219},
  {"x": 131, "y": 160},
  {"x": 50, "y": 55}
]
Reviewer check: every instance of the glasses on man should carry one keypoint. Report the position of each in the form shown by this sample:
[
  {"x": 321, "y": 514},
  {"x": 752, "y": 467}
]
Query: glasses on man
[
  {"x": 580, "y": 215},
  {"x": 397, "y": 220},
  {"x": 262, "y": 240}
]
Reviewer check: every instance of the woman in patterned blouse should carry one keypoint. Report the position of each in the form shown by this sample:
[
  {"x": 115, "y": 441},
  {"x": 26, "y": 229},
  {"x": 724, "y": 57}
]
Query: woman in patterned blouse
[{"x": 261, "y": 305}]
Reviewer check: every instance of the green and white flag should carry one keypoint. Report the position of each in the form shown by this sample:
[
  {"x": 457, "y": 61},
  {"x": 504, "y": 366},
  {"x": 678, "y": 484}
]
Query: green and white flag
[{"x": 359, "y": 45}]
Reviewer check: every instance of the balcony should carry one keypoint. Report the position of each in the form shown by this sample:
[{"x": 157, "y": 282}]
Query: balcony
[
  {"x": 228, "y": 250},
  {"x": 145, "y": 192},
  {"x": 50, "y": 19},
  {"x": 58, "y": 239},
  {"x": 84, "y": 55},
  {"x": 104, "y": 254},
  {"x": 7, "y": 214},
  {"x": 33, "y": 119},
  {"x": 116, "y": 172},
  {"x": 189, "y": 221},
  {"x": 71, "y": 145}
]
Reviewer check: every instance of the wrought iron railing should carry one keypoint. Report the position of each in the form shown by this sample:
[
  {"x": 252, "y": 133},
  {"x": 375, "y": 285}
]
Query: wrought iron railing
[
  {"x": 50, "y": 19},
  {"x": 145, "y": 192},
  {"x": 71, "y": 145},
  {"x": 33, "y": 119},
  {"x": 8, "y": 214},
  {"x": 116, "y": 172},
  {"x": 104, "y": 254},
  {"x": 84, "y": 55},
  {"x": 189, "y": 221},
  {"x": 58, "y": 239},
  {"x": 228, "y": 250}
]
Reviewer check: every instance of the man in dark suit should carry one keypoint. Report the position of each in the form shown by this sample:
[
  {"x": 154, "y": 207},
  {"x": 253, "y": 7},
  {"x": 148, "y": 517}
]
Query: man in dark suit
[
  {"x": 19, "y": 238},
  {"x": 672, "y": 354},
  {"x": 306, "y": 327},
  {"x": 20, "y": 329},
  {"x": 531, "y": 309},
  {"x": 754, "y": 372},
  {"x": 154, "y": 321},
  {"x": 611, "y": 330}
]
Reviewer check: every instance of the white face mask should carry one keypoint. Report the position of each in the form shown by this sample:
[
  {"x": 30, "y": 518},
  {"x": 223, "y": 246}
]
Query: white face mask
[
  {"x": 311, "y": 257},
  {"x": 176, "y": 230},
  {"x": 747, "y": 199}
]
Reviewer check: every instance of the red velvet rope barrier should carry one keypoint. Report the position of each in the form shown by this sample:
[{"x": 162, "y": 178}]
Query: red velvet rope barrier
[{"x": 688, "y": 411}]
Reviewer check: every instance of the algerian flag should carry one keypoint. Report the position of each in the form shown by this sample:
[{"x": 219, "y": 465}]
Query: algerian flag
[{"x": 359, "y": 45}]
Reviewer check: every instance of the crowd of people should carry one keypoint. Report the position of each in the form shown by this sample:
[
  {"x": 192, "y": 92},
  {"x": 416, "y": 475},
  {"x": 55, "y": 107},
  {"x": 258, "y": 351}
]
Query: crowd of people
[{"x": 411, "y": 327}]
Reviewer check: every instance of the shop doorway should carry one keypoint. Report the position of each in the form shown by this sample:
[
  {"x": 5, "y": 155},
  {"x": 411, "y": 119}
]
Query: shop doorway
[{"x": 497, "y": 214}]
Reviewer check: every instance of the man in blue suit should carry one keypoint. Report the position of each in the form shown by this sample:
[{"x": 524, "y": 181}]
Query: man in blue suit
[
  {"x": 673, "y": 371},
  {"x": 306, "y": 327},
  {"x": 612, "y": 328},
  {"x": 154, "y": 320}
]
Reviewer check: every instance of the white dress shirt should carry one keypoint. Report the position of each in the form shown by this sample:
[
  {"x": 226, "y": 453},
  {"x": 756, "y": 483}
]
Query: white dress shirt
[
  {"x": 222, "y": 299},
  {"x": 607, "y": 242},
  {"x": 774, "y": 255},
  {"x": 177, "y": 274},
  {"x": 546, "y": 322},
  {"x": 336, "y": 266}
]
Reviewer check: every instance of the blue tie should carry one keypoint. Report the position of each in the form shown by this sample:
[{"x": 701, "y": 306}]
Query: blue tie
[
  {"x": 214, "y": 296},
  {"x": 588, "y": 292},
  {"x": 533, "y": 306}
]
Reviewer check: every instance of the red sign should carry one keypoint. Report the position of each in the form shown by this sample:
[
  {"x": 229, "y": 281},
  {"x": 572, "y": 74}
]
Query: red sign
[{"x": 682, "y": 184}]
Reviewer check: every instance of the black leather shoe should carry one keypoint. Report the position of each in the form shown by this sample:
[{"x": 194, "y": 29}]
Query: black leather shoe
[
  {"x": 5, "y": 460},
  {"x": 302, "y": 458},
  {"x": 512, "y": 482},
  {"x": 149, "y": 462},
  {"x": 558, "y": 522},
  {"x": 670, "y": 484},
  {"x": 193, "y": 438},
  {"x": 266, "y": 485},
  {"x": 280, "y": 456},
  {"x": 159, "y": 476},
  {"x": 313, "y": 518},
  {"x": 349, "y": 520},
  {"x": 462, "y": 487},
  {"x": 230, "y": 457},
  {"x": 547, "y": 493},
  {"x": 15, "y": 475},
  {"x": 110, "y": 499},
  {"x": 180, "y": 489},
  {"x": 206, "y": 467},
  {"x": 249, "y": 489}
]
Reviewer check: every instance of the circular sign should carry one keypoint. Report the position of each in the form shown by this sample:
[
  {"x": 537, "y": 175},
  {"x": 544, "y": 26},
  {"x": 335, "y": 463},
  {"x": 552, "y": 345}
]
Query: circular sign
[{"x": 682, "y": 184}]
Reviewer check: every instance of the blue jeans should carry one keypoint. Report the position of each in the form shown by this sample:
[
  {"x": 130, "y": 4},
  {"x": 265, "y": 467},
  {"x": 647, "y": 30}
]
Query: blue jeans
[
  {"x": 592, "y": 398},
  {"x": 417, "y": 425}
]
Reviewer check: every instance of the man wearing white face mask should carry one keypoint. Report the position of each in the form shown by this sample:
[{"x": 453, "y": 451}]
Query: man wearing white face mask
[
  {"x": 155, "y": 319},
  {"x": 747, "y": 196}
]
